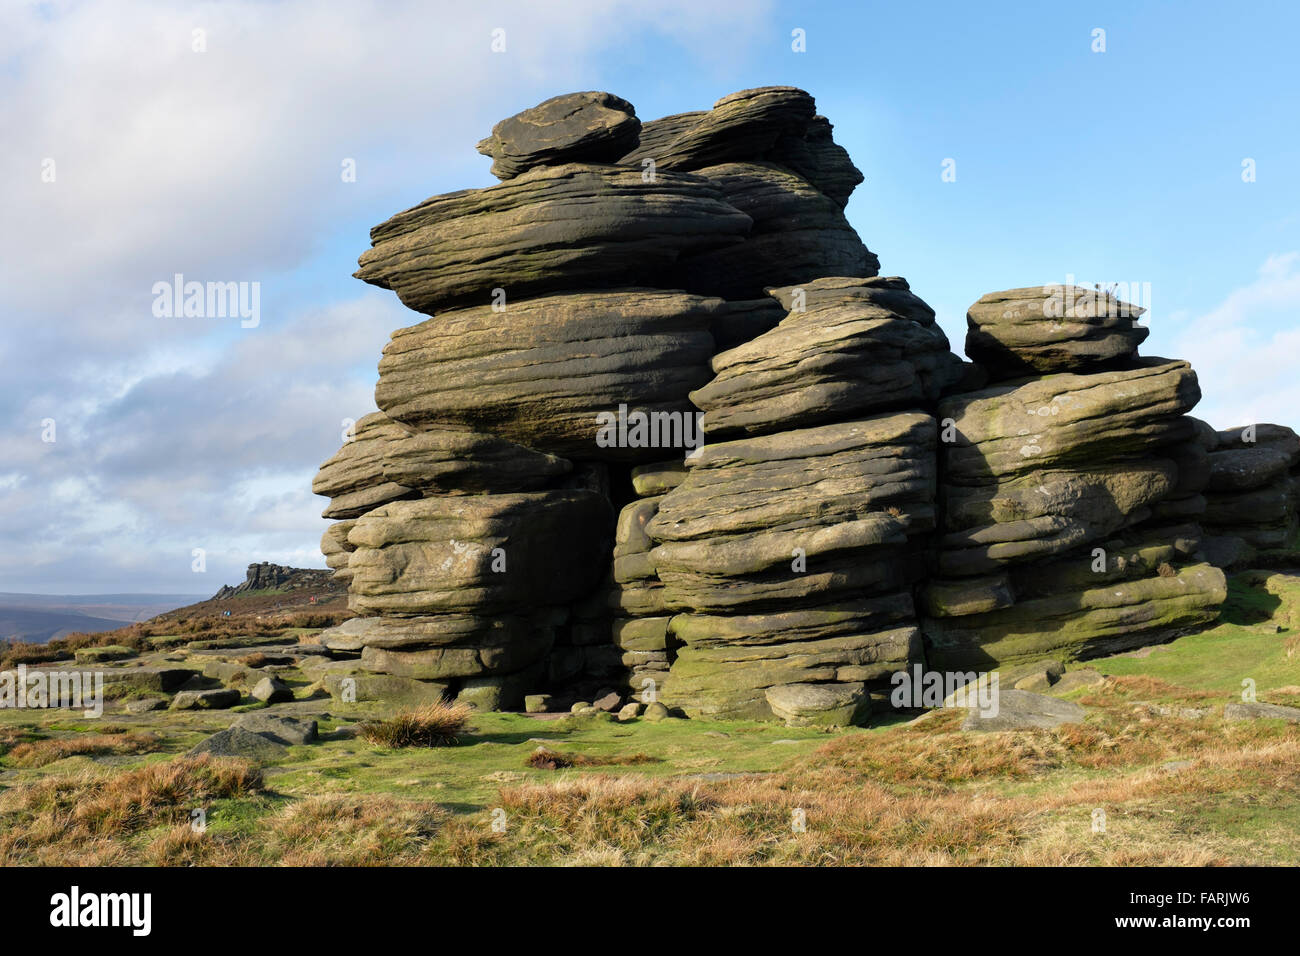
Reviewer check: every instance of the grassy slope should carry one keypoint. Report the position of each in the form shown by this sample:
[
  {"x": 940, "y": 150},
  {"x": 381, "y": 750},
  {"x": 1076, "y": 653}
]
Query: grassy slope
[{"x": 1176, "y": 788}]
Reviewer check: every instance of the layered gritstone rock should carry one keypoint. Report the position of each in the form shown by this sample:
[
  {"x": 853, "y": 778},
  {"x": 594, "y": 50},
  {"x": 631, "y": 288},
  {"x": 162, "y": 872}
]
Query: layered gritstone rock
[
  {"x": 475, "y": 553},
  {"x": 555, "y": 227},
  {"x": 1060, "y": 500},
  {"x": 792, "y": 554},
  {"x": 588, "y": 127},
  {"x": 353, "y": 479},
  {"x": 1251, "y": 493},
  {"x": 542, "y": 372},
  {"x": 1054, "y": 328},
  {"x": 851, "y": 346},
  {"x": 661, "y": 429},
  {"x": 798, "y": 234}
]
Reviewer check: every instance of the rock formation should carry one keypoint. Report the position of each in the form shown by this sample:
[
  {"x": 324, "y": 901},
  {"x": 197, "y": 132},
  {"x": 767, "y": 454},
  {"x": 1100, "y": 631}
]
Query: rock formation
[{"x": 661, "y": 428}]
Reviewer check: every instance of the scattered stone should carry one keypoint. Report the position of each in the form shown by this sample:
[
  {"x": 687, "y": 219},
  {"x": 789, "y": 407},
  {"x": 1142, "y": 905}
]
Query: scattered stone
[
  {"x": 282, "y": 730},
  {"x": 237, "y": 742},
  {"x": 608, "y": 702},
  {"x": 818, "y": 705},
  {"x": 98, "y": 655},
  {"x": 1083, "y": 677},
  {"x": 655, "y": 712},
  {"x": 630, "y": 711},
  {"x": 271, "y": 690},
  {"x": 591, "y": 127},
  {"x": 1019, "y": 710},
  {"x": 206, "y": 699},
  {"x": 537, "y": 703},
  {"x": 1261, "y": 711},
  {"x": 143, "y": 705}
]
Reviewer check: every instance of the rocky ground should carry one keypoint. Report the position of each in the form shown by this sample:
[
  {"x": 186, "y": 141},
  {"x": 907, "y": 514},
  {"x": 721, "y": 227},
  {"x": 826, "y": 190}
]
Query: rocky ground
[{"x": 1156, "y": 748}]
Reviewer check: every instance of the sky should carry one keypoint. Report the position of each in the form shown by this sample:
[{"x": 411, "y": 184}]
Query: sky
[{"x": 140, "y": 140}]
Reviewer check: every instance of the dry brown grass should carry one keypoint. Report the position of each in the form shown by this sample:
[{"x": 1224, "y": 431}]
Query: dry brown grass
[
  {"x": 928, "y": 794},
  {"x": 88, "y": 816},
  {"x": 38, "y": 753},
  {"x": 436, "y": 724}
]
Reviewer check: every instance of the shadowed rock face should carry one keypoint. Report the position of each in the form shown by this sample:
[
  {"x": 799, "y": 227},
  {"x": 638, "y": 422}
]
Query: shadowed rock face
[
  {"x": 863, "y": 502},
  {"x": 797, "y": 235}
]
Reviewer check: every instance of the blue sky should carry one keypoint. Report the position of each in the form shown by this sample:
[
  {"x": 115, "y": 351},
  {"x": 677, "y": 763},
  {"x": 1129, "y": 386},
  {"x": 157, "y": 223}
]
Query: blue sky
[{"x": 224, "y": 164}]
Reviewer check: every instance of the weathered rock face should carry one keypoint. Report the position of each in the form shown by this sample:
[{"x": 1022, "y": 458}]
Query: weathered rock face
[
  {"x": 552, "y": 228},
  {"x": 575, "y": 128},
  {"x": 453, "y": 459},
  {"x": 1055, "y": 490},
  {"x": 798, "y": 234},
  {"x": 860, "y": 501},
  {"x": 1051, "y": 329},
  {"x": 353, "y": 479},
  {"x": 741, "y": 126},
  {"x": 844, "y": 496},
  {"x": 562, "y": 361},
  {"x": 1252, "y": 491},
  {"x": 478, "y": 552},
  {"x": 853, "y": 349}
]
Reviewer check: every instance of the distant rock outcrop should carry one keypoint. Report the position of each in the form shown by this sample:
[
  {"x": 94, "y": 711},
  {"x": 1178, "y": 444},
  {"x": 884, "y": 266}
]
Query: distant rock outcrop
[
  {"x": 277, "y": 577},
  {"x": 662, "y": 428}
]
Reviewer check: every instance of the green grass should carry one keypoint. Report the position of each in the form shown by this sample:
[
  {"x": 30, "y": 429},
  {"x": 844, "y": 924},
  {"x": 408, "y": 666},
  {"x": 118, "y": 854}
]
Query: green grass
[{"x": 1221, "y": 658}]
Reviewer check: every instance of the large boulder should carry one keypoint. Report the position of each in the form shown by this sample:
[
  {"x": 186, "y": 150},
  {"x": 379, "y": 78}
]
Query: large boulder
[
  {"x": 590, "y": 127},
  {"x": 1065, "y": 420},
  {"x": 742, "y": 125},
  {"x": 801, "y": 514},
  {"x": 555, "y": 227},
  {"x": 860, "y": 346},
  {"x": 1051, "y": 328},
  {"x": 353, "y": 478},
  {"x": 562, "y": 362},
  {"x": 479, "y": 553}
]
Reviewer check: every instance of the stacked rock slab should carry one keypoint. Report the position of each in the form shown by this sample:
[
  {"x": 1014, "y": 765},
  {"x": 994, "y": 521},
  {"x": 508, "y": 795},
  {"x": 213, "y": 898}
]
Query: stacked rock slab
[
  {"x": 477, "y": 509},
  {"x": 533, "y": 509},
  {"x": 1251, "y": 494},
  {"x": 1054, "y": 541},
  {"x": 791, "y": 547}
]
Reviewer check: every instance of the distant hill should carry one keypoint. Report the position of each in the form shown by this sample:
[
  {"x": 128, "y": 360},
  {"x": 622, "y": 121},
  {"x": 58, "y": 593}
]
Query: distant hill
[{"x": 37, "y": 618}]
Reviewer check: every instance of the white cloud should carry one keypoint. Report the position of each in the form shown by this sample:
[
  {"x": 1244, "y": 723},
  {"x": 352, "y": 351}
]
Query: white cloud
[
  {"x": 225, "y": 165},
  {"x": 1245, "y": 349}
]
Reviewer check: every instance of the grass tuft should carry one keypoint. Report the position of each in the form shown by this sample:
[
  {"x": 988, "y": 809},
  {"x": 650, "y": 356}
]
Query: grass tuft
[{"x": 438, "y": 724}]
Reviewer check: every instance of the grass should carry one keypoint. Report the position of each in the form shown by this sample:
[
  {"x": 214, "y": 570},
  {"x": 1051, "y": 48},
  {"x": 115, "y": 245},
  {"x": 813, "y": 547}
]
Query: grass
[
  {"x": 543, "y": 758},
  {"x": 38, "y": 753},
  {"x": 436, "y": 724},
  {"x": 1178, "y": 784}
]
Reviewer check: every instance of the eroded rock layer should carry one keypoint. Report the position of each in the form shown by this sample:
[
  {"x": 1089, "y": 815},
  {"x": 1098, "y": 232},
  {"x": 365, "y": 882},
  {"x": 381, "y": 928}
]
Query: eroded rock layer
[{"x": 661, "y": 434}]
